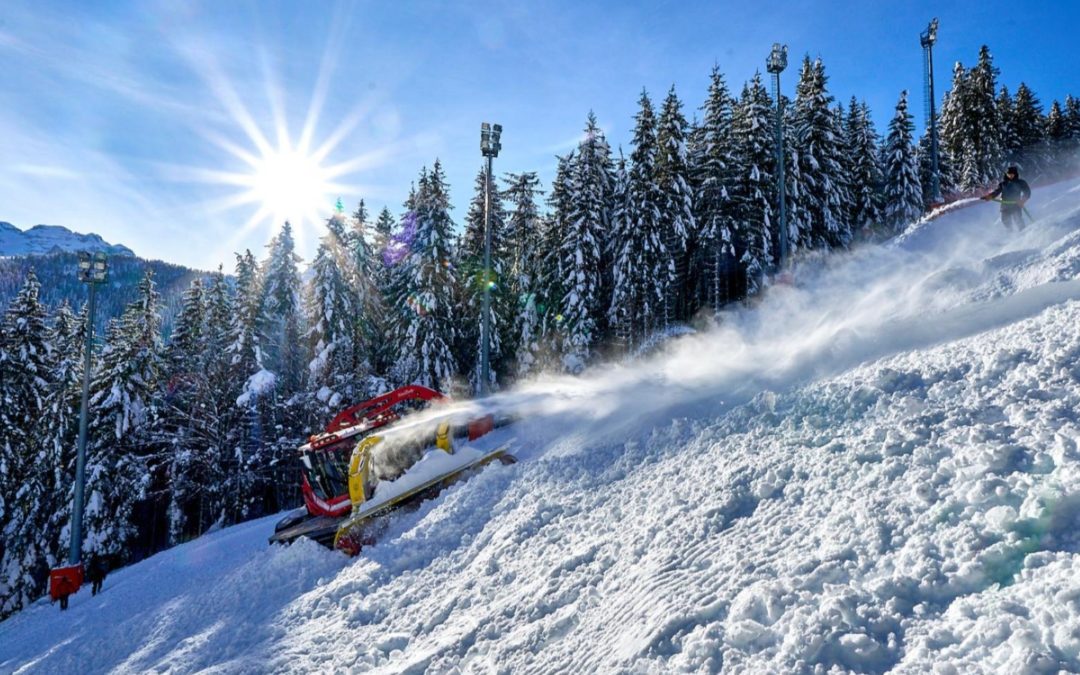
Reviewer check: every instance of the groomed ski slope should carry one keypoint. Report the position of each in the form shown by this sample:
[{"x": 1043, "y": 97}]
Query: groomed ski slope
[{"x": 876, "y": 469}]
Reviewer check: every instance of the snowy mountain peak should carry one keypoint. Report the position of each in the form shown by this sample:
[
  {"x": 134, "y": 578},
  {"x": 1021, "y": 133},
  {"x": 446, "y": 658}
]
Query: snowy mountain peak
[{"x": 45, "y": 239}]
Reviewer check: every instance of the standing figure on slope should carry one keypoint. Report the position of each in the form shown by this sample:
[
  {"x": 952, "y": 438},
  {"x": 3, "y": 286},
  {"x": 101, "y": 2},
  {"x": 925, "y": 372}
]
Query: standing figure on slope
[
  {"x": 1012, "y": 192},
  {"x": 95, "y": 572}
]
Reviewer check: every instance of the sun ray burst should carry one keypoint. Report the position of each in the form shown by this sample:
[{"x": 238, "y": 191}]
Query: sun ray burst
[
  {"x": 327, "y": 65},
  {"x": 270, "y": 172}
]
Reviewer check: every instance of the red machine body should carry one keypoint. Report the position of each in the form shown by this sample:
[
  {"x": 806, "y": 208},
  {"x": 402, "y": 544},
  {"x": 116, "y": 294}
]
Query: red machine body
[
  {"x": 326, "y": 454},
  {"x": 325, "y": 461},
  {"x": 65, "y": 581}
]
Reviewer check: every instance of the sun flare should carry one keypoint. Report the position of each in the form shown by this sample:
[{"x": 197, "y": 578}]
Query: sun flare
[
  {"x": 270, "y": 172},
  {"x": 287, "y": 184},
  {"x": 281, "y": 182}
]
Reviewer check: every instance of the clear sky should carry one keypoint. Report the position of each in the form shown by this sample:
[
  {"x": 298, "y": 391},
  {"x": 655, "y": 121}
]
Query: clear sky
[{"x": 185, "y": 130}]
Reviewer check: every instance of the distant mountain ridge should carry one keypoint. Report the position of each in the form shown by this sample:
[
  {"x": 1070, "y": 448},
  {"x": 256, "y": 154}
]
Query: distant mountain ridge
[
  {"x": 47, "y": 239},
  {"x": 59, "y": 283}
]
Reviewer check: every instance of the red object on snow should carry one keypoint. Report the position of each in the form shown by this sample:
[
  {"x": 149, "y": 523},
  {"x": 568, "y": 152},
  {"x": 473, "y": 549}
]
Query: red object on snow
[
  {"x": 342, "y": 433},
  {"x": 481, "y": 426},
  {"x": 378, "y": 411},
  {"x": 325, "y": 461},
  {"x": 65, "y": 581}
]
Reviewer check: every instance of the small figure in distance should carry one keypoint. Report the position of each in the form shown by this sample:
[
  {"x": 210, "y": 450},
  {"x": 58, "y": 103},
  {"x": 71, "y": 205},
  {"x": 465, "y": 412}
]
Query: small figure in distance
[
  {"x": 95, "y": 572},
  {"x": 1013, "y": 192}
]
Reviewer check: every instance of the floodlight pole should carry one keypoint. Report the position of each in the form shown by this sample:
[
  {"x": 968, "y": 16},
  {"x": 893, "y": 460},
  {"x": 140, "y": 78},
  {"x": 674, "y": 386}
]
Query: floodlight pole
[
  {"x": 489, "y": 147},
  {"x": 927, "y": 39},
  {"x": 775, "y": 64},
  {"x": 92, "y": 275}
]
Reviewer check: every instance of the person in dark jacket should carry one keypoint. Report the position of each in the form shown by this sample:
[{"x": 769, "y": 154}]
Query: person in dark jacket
[
  {"x": 95, "y": 572},
  {"x": 1013, "y": 192}
]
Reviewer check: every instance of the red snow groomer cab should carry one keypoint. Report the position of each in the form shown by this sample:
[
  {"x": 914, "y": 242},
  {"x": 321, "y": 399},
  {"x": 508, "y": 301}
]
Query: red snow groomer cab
[{"x": 330, "y": 463}]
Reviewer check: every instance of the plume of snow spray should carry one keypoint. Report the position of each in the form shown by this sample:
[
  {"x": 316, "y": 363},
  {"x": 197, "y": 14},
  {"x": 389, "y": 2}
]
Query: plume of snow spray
[{"x": 845, "y": 309}]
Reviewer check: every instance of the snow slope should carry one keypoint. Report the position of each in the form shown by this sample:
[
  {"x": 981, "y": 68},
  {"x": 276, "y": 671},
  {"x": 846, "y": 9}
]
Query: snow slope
[
  {"x": 44, "y": 239},
  {"x": 876, "y": 469}
]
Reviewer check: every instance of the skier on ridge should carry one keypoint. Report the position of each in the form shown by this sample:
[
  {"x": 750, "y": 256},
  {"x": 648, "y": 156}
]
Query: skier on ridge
[{"x": 1013, "y": 192}]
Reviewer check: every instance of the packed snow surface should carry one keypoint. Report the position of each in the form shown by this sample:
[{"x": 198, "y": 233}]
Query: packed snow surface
[
  {"x": 873, "y": 469},
  {"x": 43, "y": 239}
]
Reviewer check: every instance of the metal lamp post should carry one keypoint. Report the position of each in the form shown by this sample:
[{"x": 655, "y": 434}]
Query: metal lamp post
[
  {"x": 927, "y": 39},
  {"x": 489, "y": 147},
  {"x": 64, "y": 581},
  {"x": 775, "y": 64},
  {"x": 92, "y": 271}
]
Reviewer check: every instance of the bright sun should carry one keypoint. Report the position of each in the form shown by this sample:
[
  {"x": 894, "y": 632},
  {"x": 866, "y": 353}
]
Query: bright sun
[
  {"x": 270, "y": 173},
  {"x": 282, "y": 182},
  {"x": 287, "y": 184}
]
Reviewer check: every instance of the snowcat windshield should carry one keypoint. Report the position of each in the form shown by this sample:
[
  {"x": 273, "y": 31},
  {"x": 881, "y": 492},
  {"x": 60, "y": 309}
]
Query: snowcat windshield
[{"x": 327, "y": 469}]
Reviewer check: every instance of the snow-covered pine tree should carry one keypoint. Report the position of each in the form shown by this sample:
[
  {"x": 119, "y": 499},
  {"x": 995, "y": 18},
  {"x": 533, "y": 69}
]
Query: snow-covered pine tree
[
  {"x": 644, "y": 268},
  {"x": 123, "y": 407},
  {"x": 358, "y": 225},
  {"x": 524, "y": 236},
  {"x": 280, "y": 313},
  {"x": 903, "y": 192},
  {"x": 755, "y": 186},
  {"x": 425, "y": 298},
  {"x": 182, "y": 446},
  {"x": 983, "y": 120},
  {"x": 695, "y": 158},
  {"x": 382, "y": 268},
  {"x": 202, "y": 429},
  {"x": 1057, "y": 136},
  {"x": 945, "y": 173},
  {"x": 330, "y": 305},
  {"x": 245, "y": 356},
  {"x": 222, "y": 424},
  {"x": 553, "y": 276},
  {"x": 953, "y": 133},
  {"x": 473, "y": 280},
  {"x": 581, "y": 248},
  {"x": 1057, "y": 128},
  {"x": 396, "y": 294},
  {"x": 624, "y": 297},
  {"x": 365, "y": 272},
  {"x": 1010, "y": 139},
  {"x": 59, "y": 445},
  {"x": 384, "y": 231},
  {"x": 1027, "y": 127},
  {"x": 217, "y": 328},
  {"x": 847, "y": 167},
  {"x": 283, "y": 418},
  {"x": 1071, "y": 149},
  {"x": 820, "y": 150},
  {"x": 596, "y": 152},
  {"x": 244, "y": 350},
  {"x": 26, "y": 376},
  {"x": 970, "y": 174},
  {"x": 25, "y": 388},
  {"x": 865, "y": 177},
  {"x": 1072, "y": 118},
  {"x": 679, "y": 228},
  {"x": 185, "y": 344},
  {"x": 714, "y": 207},
  {"x": 796, "y": 210}
]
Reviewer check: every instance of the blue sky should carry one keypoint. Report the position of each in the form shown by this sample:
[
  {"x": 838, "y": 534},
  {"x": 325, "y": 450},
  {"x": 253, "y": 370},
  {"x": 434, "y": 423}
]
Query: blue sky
[{"x": 143, "y": 121}]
